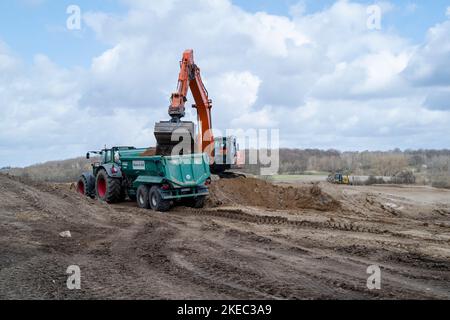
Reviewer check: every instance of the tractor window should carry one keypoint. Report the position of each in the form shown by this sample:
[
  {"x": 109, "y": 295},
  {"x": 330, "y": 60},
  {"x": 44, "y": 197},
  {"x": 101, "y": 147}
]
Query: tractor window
[{"x": 107, "y": 156}]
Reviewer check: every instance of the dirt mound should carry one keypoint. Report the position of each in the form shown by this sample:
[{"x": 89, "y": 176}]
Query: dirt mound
[
  {"x": 150, "y": 152},
  {"x": 259, "y": 193}
]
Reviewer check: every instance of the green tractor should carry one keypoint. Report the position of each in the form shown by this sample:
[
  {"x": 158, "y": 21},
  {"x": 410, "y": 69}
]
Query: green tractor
[{"x": 156, "y": 182}]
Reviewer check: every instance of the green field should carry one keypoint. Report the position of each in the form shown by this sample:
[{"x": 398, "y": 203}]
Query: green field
[{"x": 319, "y": 176}]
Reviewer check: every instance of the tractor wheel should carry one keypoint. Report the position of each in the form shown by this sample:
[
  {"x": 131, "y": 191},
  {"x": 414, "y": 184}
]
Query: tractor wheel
[
  {"x": 157, "y": 203},
  {"x": 142, "y": 197},
  {"x": 84, "y": 188},
  {"x": 108, "y": 189},
  {"x": 197, "y": 202},
  {"x": 123, "y": 195}
]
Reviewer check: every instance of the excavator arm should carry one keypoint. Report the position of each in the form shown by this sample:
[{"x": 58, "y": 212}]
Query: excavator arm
[
  {"x": 190, "y": 78},
  {"x": 222, "y": 151}
]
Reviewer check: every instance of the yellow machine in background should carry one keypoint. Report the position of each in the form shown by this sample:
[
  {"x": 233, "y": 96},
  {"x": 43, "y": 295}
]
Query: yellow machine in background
[{"x": 339, "y": 178}]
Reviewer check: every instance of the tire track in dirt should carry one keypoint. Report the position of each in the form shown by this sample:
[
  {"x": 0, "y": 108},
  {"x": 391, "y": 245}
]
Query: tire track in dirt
[
  {"x": 238, "y": 214},
  {"x": 241, "y": 215},
  {"x": 216, "y": 253}
]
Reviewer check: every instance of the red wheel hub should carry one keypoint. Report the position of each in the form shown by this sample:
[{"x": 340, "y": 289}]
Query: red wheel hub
[{"x": 101, "y": 187}]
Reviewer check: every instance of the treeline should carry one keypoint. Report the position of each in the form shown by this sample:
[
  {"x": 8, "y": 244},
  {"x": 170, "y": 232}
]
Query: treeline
[
  {"x": 429, "y": 166},
  {"x": 387, "y": 163},
  {"x": 53, "y": 171}
]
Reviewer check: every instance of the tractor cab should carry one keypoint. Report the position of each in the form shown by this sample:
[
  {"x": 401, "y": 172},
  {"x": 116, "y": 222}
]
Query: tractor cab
[{"x": 108, "y": 155}]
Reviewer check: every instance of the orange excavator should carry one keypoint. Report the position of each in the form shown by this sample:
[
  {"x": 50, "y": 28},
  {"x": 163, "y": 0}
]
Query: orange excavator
[{"x": 223, "y": 151}]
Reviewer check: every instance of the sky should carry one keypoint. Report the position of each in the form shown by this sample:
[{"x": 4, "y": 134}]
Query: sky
[{"x": 321, "y": 72}]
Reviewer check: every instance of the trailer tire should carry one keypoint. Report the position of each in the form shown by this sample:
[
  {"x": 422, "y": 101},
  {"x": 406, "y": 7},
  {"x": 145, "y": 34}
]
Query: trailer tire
[
  {"x": 108, "y": 189},
  {"x": 197, "y": 202},
  {"x": 142, "y": 197},
  {"x": 157, "y": 203}
]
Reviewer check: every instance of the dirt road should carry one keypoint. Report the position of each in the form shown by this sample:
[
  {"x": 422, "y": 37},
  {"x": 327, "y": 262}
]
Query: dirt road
[{"x": 318, "y": 246}]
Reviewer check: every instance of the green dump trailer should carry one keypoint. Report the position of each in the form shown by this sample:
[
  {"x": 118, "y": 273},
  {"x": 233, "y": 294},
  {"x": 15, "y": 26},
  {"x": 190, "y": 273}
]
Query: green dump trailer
[{"x": 156, "y": 182}]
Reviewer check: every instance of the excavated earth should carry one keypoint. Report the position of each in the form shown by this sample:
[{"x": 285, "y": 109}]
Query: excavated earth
[
  {"x": 259, "y": 193},
  {"x": 255, "y": 240}
]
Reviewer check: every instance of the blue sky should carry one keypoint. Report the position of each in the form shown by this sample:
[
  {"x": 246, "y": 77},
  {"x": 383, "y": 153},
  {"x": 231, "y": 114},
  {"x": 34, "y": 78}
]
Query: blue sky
[
  {"x": 310, "y": 68},
  {"x": 38, "y": 26}
]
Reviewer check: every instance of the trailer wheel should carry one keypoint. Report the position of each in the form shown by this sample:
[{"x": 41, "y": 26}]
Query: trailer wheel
[
  {"x": 157, "y": 203},
  {"x": 197, "y": 202},
  {"x": 142, "y": 197},
  {"x": 108, "y": 189}
]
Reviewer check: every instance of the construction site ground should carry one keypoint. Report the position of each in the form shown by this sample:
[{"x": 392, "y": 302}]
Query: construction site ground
[{"x": 254, "y": 240}]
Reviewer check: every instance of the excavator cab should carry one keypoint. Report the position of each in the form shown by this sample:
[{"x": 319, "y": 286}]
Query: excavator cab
[{"x": 225, "y": 154}]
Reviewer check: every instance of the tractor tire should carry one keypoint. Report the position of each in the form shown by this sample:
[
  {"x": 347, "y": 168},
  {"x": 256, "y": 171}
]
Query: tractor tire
[
  {"x": 123, "y": 195},
  {"x": 157, "y": 203},
  {"x": 84, "y": 188},
  {"x": 197, "y": 202},
  {"x": 142, "y": 197},
  {"x": 108, "y": 189}
]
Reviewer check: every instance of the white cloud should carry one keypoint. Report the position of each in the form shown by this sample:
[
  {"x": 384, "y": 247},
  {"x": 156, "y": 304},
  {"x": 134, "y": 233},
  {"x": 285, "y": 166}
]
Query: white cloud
[
  {"x": 238, "y": 89},
  {"x": 8, "y": 63},
  {"x": 429, "y": 64},
  {"x": 324, "y": 79},
  {"x": 438, "y": 99},
  {"x": 236, "y": 94},
  {"x": 266, "y": 117}
]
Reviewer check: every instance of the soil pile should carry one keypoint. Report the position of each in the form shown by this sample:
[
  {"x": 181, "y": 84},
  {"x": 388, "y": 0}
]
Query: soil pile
[
  {"x": 150, "y": 152},
  {"x": 259, "y": 193}
]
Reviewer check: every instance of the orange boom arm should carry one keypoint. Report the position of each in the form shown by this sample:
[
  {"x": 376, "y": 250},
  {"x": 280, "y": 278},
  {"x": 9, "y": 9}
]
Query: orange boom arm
[{"x": 190, "y": 78}]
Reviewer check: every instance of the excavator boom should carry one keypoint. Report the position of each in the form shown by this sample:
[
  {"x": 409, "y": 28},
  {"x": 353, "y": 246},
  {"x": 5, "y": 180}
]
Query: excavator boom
[
  {"x": 167, "y": 133},
  {"x": 189, "y": 78}
]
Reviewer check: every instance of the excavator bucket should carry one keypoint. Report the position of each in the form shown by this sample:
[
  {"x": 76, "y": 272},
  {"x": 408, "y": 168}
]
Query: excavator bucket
[{"x": 174, "y": 134}]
